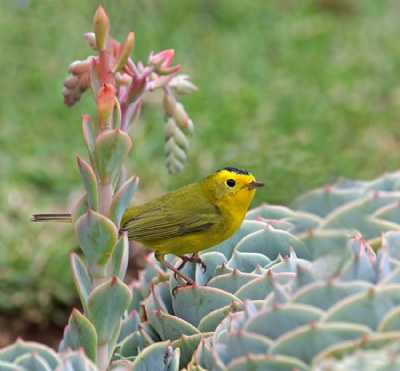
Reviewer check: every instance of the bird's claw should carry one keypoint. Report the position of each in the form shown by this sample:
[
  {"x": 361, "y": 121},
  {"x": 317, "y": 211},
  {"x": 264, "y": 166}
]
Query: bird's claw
[
  {"x": 195, "y": 258},
  {"x": 203, "y": 266},
  {"x": 177, "y": 287}
]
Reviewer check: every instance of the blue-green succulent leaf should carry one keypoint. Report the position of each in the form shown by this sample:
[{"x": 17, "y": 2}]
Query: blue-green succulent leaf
[
  {"x": 129, "y": 325},
  {"x": 367, "y": 307},
  {"x": 306, "y": 341},
  {"x": 259, "y": 288},
  {"x": 258, "y": 362},
  {"x": 232, "y": 282},
  {"x": 32, "y": 362},
  {"x": 170, "y": 327},
  {"x": 111, "y": 150},
  {"x": 273, "y": 242},
  {"x": 120, "y": 256},
  {"x": 391, "y": 240},
  {"x": 371, "y": 341},
  {"x": 212, "y": 259},
  {"x": 324, "y": 294},
  {"x": 134, "y": 343},
  {"x": 82, "y": 279},
  {"x": 121, "y": 199},
  {"x": 187, "y": 346},
  {"x": 322, "y": 201},
  {"x": 155, "y": 357},
  {"x": 80, "y": 333},
  {"x": 391, "y": 321},
  {"x": 241, "y": 343},
  {"x": 77, "y": 361},
  {"x": 275, "y": 321},
  {"x": 107, "y": 303},
  {"x": 160, "y": 298},
  {"x": 356, "y": 216},
  {"x": 247, "y": 261},
  {"x": 20, "y": 347},
  {"x": 89, "y": 135},
  {"x": 90, "y": 182},
  {"x": 323, "y": 242},
  {"x": 11, "y": 366},
  {"x": 247, "y": 227},
  {"x": 194, "y": 302},
  {"x": 206, "y": 357},
  {"x": 97, "y": 236}
]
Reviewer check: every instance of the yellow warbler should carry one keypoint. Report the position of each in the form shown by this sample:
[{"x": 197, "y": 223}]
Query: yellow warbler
[{"x": 189, "y": 219}]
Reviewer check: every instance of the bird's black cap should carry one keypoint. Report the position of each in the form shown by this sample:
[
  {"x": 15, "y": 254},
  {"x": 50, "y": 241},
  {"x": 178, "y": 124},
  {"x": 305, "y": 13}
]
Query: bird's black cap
[{"x": 235, "y": 170}]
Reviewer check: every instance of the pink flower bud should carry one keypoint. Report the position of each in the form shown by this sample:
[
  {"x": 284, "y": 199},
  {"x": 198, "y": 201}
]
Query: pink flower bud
[
  {"x": 105, "y": 105},
  {"x": 90, "y": 37},
  {"x": 101, "y": 26},
  {"x": 80, "y": 67},
  {"x": 162, "y": 59},
  {"x": 71, "y": 82},
  {"x": 168, "y": 70},
  {"x": 66, "y": 92},
  {"x": 84, "y": 82},
  {"x": 68, "y": 97}
]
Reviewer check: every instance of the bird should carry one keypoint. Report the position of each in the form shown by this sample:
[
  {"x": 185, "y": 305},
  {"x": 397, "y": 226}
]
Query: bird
[{"x": 188, "y": 220}]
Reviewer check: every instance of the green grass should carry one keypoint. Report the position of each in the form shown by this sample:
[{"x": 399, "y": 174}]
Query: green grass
[{"x": 298, "y": 94}]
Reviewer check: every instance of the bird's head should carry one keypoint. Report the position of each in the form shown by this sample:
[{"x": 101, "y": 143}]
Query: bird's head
[{"x": 231, "y": 187}]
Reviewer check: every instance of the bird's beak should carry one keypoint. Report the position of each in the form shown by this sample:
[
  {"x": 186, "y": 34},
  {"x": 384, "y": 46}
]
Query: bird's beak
[{"x": 254, "y": 185}]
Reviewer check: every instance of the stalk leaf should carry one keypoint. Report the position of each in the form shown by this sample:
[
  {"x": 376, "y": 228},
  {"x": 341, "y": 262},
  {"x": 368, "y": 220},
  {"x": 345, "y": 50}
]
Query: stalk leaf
[
  {"x": 120, "y": 256},
  {"x": 80, "y": 333},
  {"x": 97, "y": 236},
  {"x": 107, "y": 304},
  {"x": 81, "y": 278},
  {"x": 90, "y": 182},
  {"x": 111, "y": 150},
  {"x": 121, "y": 199}
]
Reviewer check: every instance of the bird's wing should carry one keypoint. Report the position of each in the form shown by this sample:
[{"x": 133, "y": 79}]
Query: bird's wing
[{"x": 160, "y": 221}]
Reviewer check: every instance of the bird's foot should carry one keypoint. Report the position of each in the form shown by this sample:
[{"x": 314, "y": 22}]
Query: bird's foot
[{"x": 195, "y": 258}]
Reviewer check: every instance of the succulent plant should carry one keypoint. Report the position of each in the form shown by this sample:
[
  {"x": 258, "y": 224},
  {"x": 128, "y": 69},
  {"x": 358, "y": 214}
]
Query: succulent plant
[
  {"x": 292, "y": 289},
  {"x": 31, "y": 356}
]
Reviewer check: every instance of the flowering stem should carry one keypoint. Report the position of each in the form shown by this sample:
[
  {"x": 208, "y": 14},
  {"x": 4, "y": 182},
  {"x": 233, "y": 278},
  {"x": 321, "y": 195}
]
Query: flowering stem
[
  {"x": 106, "y": 61},
  {"x": 105, "y": 198}
]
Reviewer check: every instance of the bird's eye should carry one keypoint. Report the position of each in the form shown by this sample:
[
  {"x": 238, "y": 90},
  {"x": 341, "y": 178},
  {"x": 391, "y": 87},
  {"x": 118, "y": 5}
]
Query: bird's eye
[{"x": 230, "y": 183}]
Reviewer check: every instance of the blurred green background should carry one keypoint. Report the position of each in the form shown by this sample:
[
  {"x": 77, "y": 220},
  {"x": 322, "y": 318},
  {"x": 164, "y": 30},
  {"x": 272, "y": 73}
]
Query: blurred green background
[{"x": 298, "y": 92}]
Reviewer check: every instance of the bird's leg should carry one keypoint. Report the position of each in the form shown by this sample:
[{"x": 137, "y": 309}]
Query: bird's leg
[
  {"x": 189, "y": 282},
  {"x": 195, "y": 258}
]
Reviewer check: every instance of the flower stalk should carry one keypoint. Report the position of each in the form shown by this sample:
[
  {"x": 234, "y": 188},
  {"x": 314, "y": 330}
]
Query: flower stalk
[{"x": 118, "y": 85}]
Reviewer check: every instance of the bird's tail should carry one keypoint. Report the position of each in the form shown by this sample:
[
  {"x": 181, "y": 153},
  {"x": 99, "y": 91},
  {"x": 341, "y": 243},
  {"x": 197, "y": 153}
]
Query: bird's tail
[{"x": 62, "y": 218}]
